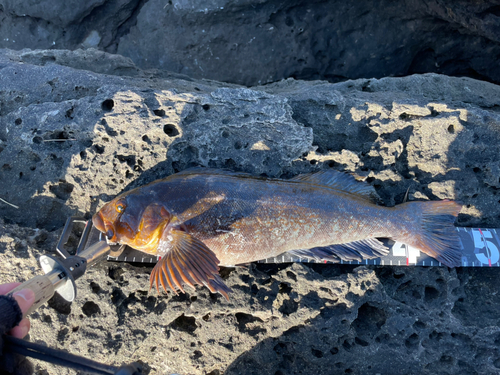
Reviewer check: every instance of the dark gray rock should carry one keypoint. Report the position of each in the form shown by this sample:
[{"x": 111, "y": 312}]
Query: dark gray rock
[
  {"x": 256, "y": 42},
  {"x": 72, "y": 139},
  {"x": 330, "y": 40},
  {"x": 88, "y": 59},
  {"x": 65, "y": 24},
  {"x": 61, "y": 13}
]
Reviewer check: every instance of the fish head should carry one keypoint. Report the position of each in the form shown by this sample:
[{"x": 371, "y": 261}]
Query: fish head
[{"x": 133, "y": 220}]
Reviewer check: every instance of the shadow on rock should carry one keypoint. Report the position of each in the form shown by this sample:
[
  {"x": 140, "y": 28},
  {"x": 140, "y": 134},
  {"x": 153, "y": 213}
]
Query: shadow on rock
[{"x": 404, "y": 323}]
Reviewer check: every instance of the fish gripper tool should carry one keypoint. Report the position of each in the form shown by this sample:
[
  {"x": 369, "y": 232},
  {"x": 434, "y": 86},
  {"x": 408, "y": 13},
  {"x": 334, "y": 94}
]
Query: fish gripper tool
[{"x": 62, "y": 272}]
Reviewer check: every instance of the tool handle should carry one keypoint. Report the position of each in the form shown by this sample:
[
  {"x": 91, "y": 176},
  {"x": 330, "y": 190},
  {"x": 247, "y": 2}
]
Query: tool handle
[{"x": 43, "y": 289}]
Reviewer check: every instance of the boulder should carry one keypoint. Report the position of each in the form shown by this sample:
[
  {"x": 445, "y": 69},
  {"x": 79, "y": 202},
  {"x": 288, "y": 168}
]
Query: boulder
[
  {"x": 257, "y": 42},
  {"x": 74, "y": 134}
]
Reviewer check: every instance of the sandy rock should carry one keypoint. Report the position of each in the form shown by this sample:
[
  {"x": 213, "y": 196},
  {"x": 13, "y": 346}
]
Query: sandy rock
[{"x": 72, "y": 139}]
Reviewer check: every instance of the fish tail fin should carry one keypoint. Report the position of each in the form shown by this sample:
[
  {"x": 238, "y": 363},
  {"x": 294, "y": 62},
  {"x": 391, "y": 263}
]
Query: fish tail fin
[{"x": 431, "y": 230}]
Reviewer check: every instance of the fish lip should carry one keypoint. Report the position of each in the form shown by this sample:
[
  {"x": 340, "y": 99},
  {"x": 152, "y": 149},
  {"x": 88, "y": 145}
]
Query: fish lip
[{"x": 98, "y": 222}]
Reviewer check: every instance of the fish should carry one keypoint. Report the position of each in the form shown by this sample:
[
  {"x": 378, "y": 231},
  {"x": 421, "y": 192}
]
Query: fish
[{"x": 199, "y": 219}]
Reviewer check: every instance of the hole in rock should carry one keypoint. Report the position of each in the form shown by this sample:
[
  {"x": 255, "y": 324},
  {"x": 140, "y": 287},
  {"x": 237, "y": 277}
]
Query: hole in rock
[
  {"x": 431, "y": 293},
  {"x": 170, "y": 130},
  {"x": 412, "y": 341},
  {"x": 90, "y": 308},
  {"x": 361, "y": 342},
  {"x": 99, "y": 149},
  {"x": 288, "y": 307},
  {"x": 69, "y": 113},
  {"x": 285, "y": 288},
  {"x": 95, "y": 287},
  {"x": 108, "y": 105},
  {"x": 317, "y": 353},
  {"x": 370, "y": 319},
  {"x": 185, "y": 323}
]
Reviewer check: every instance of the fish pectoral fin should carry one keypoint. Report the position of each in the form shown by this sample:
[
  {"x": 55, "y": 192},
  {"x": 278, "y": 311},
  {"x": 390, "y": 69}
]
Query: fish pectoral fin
[
  {"x": 187, "y": 261},
  {"x": 357, "y": 250}
]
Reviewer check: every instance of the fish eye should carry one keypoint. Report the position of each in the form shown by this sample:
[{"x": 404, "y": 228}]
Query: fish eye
[{"x": 120, "y": 208}]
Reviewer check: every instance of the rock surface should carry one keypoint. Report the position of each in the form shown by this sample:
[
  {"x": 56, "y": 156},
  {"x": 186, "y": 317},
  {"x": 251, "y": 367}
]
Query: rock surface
[
  {"x": 256, "y": 42},
  {"x": 75, "y": 134}
]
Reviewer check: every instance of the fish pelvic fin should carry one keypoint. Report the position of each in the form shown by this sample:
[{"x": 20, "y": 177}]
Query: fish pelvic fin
[
  {"x": 432, "y": 230},
  {"x": 357, "y": 250},
  {"x": 186, "y": 261}
]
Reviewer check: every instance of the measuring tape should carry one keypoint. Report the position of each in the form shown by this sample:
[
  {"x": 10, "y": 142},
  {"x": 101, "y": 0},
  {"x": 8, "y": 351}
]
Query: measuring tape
[{"x": 479, "y": 248}]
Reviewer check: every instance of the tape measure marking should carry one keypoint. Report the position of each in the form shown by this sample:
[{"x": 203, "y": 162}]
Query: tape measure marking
[{"x": 479, "y": 248}]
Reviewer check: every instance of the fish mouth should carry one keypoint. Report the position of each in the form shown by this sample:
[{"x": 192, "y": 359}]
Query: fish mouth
[
  {"x": 106, "y": 230},
  {"x": 98, "y": 222}
]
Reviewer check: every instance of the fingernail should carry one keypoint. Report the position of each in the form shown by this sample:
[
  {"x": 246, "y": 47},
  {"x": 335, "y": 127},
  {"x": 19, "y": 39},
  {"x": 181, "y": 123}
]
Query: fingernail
[
  {"x": 25, "y": 294},
  {"x": 24, "y": 328},
  {"x": 24, "y": 332}
]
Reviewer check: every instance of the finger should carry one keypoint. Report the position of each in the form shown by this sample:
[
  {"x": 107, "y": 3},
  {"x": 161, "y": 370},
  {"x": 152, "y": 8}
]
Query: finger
[
  {"x": 6, "y": 288},
  {"x": 25, "y": 299},
  {"x": 21, "y": 329}
]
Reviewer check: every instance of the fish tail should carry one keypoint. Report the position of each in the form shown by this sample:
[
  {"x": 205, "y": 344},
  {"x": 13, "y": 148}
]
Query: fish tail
[{"x": 429, "y": 227}]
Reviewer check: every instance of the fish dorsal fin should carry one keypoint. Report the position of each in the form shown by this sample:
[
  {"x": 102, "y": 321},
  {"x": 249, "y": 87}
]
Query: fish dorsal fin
[
  {"x": 329, "y": 178},
  {"x": 339, "y": 181},
  {"x": 196, "y": 171},
  {"x": 186, "y": 261}
]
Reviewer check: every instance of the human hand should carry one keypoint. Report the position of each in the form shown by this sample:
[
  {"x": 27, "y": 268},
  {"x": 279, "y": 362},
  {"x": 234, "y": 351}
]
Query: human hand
[{"x": 25, "y": 298}]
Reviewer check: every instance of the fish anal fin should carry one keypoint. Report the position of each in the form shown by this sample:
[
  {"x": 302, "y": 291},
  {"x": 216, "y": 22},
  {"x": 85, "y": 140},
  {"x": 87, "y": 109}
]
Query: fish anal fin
[
  {"x": 358, "y": 250},
  {"x": 185, "y": 260},
  {"x": 340, "y": 181}
]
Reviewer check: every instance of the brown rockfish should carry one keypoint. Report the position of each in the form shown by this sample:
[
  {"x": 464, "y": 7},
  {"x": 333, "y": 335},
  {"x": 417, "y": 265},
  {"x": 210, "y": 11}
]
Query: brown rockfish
[{"x": 200, "y": 218}]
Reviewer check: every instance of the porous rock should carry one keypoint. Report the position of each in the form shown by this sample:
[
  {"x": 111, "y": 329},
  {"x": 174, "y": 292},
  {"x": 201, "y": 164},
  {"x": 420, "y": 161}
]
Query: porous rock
[
  {"x": 72, "y": 139},
  {"x": 256, "y": 42},
  {"x": 69, "y": 135}
]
